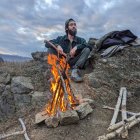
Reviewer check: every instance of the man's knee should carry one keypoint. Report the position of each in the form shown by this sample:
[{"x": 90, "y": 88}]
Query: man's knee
[{"x": 86, "y": 50}]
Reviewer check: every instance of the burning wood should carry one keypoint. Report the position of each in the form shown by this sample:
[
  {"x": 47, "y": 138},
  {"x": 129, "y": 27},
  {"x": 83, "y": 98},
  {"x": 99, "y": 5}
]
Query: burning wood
[
  {"x": 62, "y": 97},
  {"x": 64, "y": 107}
]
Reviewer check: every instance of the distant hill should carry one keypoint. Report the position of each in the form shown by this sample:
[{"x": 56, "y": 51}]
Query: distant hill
[{"x": 14, "y": 58}]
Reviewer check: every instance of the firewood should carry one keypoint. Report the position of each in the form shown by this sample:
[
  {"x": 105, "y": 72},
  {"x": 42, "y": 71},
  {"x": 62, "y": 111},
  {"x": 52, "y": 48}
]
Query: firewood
[
  {"x": 3, "y": 136},
  {"x": 119, "y": 130},
  {"x": 124, "y": 114},
  {"x": 128, "y": 112},
  {"x": 116, "y": 110},
  {"x": 24, "y": 129},
  {"x": 64, "y": 88},
  {"x": 119, "y": 124}
]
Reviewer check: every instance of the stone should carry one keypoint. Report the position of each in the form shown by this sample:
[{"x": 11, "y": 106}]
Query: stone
[
  {"x": 22, "y": 100},
  {"x": 39, "y": 56},
  {"x": 2, "y": 87},
  {"x": 92, "y": 81},
  {"x": 41, "y": 117},
  {"x": 69, "y": 117},
  {"x": 21, "y": 85},
  {"x": 4, "y": 77},
  {"x": 83, "y": 110},
  {"x": 7, "y": 105},
  {"x": 39, "y": 97},
  {"x": 52, "y": 121},
  {"x": 137, "y": 92}
]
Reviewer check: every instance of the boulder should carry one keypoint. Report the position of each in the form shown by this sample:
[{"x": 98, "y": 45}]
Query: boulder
[
  {"x": 69, "y": 117},
  {"x": 83, "y": 110},
  {"x": 2, "y": 87},
  {"x": 52, "y": 121},
  {"x": 21, "y": 85},
  {"x": 39, "y": 56},
  {"x": 22, "y": 100},
  {"x": 7, "y": 105},
  {"x": 39, "y": 98},
  {"x": 4, "y": 77}
]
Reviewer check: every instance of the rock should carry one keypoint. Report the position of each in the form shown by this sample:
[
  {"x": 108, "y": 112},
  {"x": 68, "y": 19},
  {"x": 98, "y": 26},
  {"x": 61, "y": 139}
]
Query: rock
[
  {"x": 2, "y": 87},
  {"x": 21, "y": 85},
  {"x": 83, "y": 110},
  {"x": 39, "y": 56},
  {"x": 7, "y": 105},
  {"x": 39, "y": 97},
  {"x": 22, "y": 100},
  {"x": 122, "y": 69},
  {"x": 69, "y": 117},
  {"x": 137, "y": 92},
  {"x": 4, "y": 77},
  {"x": 40, "y": 117},
  {"x": 52, "y": 122},
  {"x": 93, "y": 82}
]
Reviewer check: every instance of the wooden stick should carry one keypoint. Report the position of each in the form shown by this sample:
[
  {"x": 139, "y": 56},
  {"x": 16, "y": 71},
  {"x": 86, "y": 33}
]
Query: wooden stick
[
  {"x": 119, "y": 124},
  {"x": 124, "y": 114},
  {"x": 111, "y": 108},
  {"x": 64, "y": 88},
  {"x": 119, "y": 131},
  {"x": 116, "y": 110},
  {"x": 3, "y": 136},
  {"x": 24, "y": 129},
  {"x": 52, "y": 45}
]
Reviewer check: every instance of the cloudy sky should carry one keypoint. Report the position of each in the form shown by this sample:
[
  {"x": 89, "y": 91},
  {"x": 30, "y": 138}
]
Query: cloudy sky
[{"x": 25, "y": 23}]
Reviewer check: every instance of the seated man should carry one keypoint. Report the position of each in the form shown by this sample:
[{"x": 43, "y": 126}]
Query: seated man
[{"x": 73, "y": 45}]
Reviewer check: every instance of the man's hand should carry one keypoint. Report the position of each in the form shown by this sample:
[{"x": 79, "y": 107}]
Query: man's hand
[
  {"x": 73, "y": 51},
  {"x": 59, "y": 48}
]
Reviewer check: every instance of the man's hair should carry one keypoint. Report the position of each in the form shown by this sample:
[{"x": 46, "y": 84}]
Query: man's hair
[{"x": 67, "y": 23}]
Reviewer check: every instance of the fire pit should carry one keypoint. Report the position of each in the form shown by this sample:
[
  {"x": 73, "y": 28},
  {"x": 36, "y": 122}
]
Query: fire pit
[{"x": 64, "y": 107}]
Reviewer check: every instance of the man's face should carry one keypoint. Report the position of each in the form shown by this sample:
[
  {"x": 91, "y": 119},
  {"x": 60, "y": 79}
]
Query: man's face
[{"x": 72, "y": 28}]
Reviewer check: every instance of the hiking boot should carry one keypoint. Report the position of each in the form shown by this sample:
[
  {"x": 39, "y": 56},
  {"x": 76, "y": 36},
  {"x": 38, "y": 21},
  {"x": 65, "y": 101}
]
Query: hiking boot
[{"x": 75, "y": 76}]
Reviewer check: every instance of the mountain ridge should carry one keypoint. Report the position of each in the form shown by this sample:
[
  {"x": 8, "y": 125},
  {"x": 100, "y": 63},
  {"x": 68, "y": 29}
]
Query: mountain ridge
[{"x": 14, "y": 58}]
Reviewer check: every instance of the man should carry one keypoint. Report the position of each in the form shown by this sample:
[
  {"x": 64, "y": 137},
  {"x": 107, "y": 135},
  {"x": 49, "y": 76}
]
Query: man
[{"x": 73, "y": 45}]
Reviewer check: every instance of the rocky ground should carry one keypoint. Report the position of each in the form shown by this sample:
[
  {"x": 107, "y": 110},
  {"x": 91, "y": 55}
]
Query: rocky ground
[{"x": 24, "y": 92}]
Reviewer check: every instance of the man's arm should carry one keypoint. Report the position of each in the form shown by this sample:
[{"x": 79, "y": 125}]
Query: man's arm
[
  {"x": 83, "y": 45},
  {"x": 54, "y": 41}
]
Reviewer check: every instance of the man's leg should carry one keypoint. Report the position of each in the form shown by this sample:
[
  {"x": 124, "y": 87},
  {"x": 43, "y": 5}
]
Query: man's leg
[
  {"x": 78, "y": 62},
  {"x": 80, "y": 59}
]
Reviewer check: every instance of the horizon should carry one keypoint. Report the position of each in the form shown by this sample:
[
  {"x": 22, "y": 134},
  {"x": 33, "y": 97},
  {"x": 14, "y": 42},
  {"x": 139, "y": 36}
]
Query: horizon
[{"x": 25, "y": 24}]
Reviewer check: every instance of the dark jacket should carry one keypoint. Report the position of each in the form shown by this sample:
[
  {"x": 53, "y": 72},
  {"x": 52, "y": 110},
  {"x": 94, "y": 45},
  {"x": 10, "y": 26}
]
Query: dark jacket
[
  {"x": 64, "y": 42},
  {"x": 115, "y": 38}
]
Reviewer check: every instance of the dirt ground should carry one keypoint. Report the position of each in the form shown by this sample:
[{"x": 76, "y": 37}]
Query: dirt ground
[{"x": 90, "y": 128}]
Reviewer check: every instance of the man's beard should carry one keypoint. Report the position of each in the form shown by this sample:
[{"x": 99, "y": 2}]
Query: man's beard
[{"x": 71, "y": 32}]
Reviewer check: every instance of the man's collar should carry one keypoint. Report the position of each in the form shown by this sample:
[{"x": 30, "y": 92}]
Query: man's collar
[{"x": 66, "y": 38}]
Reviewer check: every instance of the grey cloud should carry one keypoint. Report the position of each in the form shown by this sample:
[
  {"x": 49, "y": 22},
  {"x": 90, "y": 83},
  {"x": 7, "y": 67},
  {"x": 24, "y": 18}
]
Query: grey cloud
[{"x": 39, "y": 19}]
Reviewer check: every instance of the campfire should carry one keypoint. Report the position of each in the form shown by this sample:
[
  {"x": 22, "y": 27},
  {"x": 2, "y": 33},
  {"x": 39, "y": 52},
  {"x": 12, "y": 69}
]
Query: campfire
[
  {"x": 62, "y": 96},
  {"x": 64, "y": 107}
]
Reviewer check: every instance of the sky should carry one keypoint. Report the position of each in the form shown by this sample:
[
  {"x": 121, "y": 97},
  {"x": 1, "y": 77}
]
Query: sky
[{"x": 24, "y": 24}]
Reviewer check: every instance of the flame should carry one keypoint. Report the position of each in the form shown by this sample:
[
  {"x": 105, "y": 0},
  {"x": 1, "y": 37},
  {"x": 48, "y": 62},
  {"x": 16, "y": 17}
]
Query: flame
[{"x": 62, "y": 96}]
